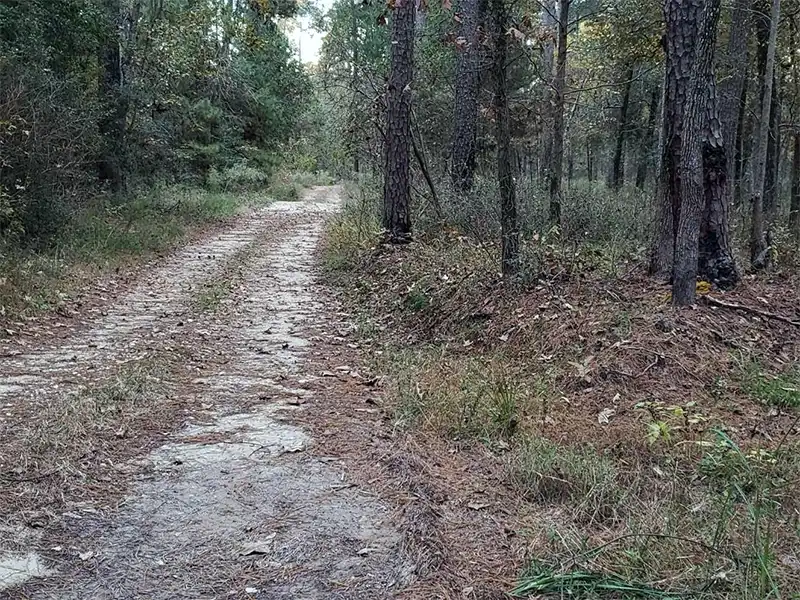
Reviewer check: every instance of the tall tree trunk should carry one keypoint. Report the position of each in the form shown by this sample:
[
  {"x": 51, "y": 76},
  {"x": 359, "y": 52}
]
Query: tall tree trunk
[
  {"x": 468, "y": 78},
  {"x": 354, "y": 79},
  {"x": 690, "y": 86},
  {"x": 646, "y": 142},
  {"x": 112, "y": 124},
  {"x": 618, "y": 165},
  {"x": 732, "y": 88},
  {"x": 794, "y": 201},
  {"x": 693, "y": 171},
  {"x": 559, "y": 85},
  {"x": 740, "y": 158},
  {"x": 549, "y": 28},
  {"x": 716, "y": 262},
  {"x": 772, "y": 176},
  {"x": 794, "y": 207},
  {"x": 679, "y": 49},
  {"x": 505, "y": 175},
  {"x": 759, "y": 250},
  {"x": 397, "y": 174},
  {"x": 589, "y": 162}
]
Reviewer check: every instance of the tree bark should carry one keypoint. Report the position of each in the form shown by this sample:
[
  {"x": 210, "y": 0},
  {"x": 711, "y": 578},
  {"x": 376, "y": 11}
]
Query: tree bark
[
  {"x": 549, "y": 29},
  {"x": 355, "y": 144},
  {"x": 397, "y": 174},
  {"x": 559, "y": 84},
  {"x": 759, "y": 250},
  {"x": 772, "y": 175},
  {"x": 693, "y": 171},
  {"x": 690, "y": 86},
  {"x": 112, "y": 123},
  {"x": 467, "y": 82},
  {"x": 505, "y": 175},
  {"x": 679, "y": 42},
  {"x": 618, "y": 165}
]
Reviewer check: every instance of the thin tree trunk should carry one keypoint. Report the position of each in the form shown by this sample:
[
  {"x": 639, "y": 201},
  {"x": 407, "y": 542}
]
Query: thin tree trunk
[
  {"x": 740, "y": 158},
  {"x": 112, "y": 123},
  {"x": 549, "y": 27},
  {"x": 732, "y": 89},
  {"x": 466, "y": 96},
  {"x": 505, "y": 176},
  {"x": 589, "y": 162},
  {"x": 759, "y": 250},
  {"x": 794, "y": 201},
  {"x": 559, "y": 84},
  {"x": 646, "y": 146},
  {"x": 618, "y": 165},
  {"x": 356, "y": 146},
  {"x": 794, "y": 207},
  {"x": 772, "y": 176},
  {"x": 397, "y": 174}
]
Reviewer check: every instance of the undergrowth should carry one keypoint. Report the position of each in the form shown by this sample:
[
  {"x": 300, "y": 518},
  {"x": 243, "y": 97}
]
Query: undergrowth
[
  {"x": 104, "y": 236},
  {"x": 653, "y": 463}
]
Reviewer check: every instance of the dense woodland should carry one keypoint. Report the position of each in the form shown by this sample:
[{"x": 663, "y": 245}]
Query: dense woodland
[
  {"x": 577, "y": 113},
  {"x": 110, "y": 97}
]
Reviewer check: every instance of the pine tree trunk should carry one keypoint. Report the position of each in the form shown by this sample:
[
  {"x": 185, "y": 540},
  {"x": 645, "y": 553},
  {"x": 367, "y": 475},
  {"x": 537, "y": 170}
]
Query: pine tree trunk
[
  {"x": 759, "y": 250},
  {"x": 354, "y": 79},
  {"x": 771, "y": 178},
  {"x": 618, "y": 165},
  {"x": 681, "y": 20},
  {"x": 549, "y": 29},
  {"x": 397, "y": 173},
  {"x": 466, "y": 96},
  {"x": 559, "y": 85},
  {"x": 505, "y": 175},
  {"x": 112, "y": 124},
  {"x": 690, "y": 85},
  {"x": 696, "y": 141}
]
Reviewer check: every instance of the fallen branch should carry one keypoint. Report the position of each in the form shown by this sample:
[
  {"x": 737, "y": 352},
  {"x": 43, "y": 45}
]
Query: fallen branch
[{"x": 754, "y": 311}]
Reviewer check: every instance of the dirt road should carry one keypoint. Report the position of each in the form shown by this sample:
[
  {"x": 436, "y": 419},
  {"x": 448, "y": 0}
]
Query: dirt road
[{"x": 159, "y": 453}]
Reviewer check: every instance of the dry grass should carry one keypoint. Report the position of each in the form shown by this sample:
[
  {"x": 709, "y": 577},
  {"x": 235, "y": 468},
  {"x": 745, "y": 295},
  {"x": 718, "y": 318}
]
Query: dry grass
[
  {"x": 76, "y": 446},
  {"x": 654, "y": 445}
]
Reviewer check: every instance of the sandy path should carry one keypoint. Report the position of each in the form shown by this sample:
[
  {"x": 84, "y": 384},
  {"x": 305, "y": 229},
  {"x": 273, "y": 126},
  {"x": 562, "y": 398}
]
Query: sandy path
[{"x": 231, "y": 505}]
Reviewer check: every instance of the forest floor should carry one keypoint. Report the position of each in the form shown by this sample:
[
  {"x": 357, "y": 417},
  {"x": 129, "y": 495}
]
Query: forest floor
[
  {"x": 571, "y": 434},
  {"x": 225, "y": 423},
  {"x": 198, "y": 432}
]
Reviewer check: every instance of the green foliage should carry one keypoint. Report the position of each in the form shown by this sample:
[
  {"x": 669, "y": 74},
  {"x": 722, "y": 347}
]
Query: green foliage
[
  {"x": 780, "y": 389},
  {"x": 101, "y": 235},
  {"x": 212, "y": 108}
]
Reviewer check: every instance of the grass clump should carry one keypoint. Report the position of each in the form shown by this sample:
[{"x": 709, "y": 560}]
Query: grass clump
[
  {"x": 461, "y": 398},
  {"x": 781, "y": 390},
  {"x": 212, "y": 295},
  {"x": 550, "y": 473},
  {"x": 352, "y": 232}
]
